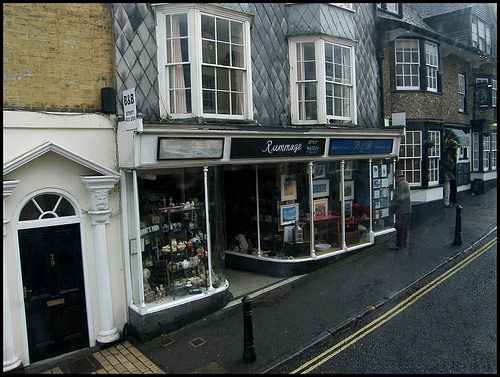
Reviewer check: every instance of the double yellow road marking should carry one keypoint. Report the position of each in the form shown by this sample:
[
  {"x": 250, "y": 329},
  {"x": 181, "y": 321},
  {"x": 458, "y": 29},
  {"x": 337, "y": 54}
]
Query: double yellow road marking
[{"x": 339, "y": 347}]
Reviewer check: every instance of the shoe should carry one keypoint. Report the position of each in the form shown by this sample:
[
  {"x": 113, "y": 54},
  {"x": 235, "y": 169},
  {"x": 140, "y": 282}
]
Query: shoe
[
  {"x": 448, "y": 206},
  {"x": 394, "y": 247}
]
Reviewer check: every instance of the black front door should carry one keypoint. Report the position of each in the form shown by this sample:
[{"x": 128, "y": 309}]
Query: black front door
[{"x": 54, "y": 294}]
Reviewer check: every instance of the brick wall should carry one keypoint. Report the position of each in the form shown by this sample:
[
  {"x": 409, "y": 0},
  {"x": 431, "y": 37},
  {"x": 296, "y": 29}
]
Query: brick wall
[{"x": 57, "y": 56}]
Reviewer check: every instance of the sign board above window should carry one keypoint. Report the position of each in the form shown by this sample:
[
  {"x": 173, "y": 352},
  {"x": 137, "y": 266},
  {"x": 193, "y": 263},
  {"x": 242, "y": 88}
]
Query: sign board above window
[
  {"x": 360, "y": 146},
  {"x": 276, "y": 147},
  {"x": 186, "y": 148}
]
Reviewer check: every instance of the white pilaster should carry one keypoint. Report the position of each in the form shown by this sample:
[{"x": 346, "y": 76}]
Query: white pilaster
[
  {"x": 99, "y": 188},
  {"x": 10, "y": 359}
]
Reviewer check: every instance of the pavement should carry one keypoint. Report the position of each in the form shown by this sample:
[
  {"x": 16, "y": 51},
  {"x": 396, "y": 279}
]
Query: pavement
[{"x": 290, "y": 315}]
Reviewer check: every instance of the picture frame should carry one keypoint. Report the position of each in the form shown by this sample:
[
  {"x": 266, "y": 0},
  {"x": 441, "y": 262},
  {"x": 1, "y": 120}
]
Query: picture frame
[
  {"x": 383, "y": 171},
  {"x": 385, "y": 182},
  {"x": 348, "y": 208},
  {"x": 321, "y": 187},
  {"x": 347, "y": 170},
  {"x": 376, "y": 194},
  {"x": 319, "y": 170},
  {"x": 288, "y": 188},
  {"x": 289, "y": 213},
  {"x": 376, "y": 183},
  {"x": 375, "y": 173},
  {"x": 348, "y": 190},
  {"x": 288, "y": 234},
  {"x": 385, "y": 192},
  {"x": 320, "y": 207}
]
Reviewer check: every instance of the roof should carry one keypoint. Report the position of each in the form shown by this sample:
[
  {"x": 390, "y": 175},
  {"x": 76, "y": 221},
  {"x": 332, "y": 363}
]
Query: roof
[{"x": 427, "y": 10}]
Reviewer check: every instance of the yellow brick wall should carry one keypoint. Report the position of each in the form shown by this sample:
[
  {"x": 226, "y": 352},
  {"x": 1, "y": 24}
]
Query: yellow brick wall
[{"x": 57, "y": 56}]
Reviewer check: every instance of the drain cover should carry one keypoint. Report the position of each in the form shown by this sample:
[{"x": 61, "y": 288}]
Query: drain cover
[
  {"x": 81, "y": 366},
  {"x": 196, "y": 342},
  {"x": 167, "y": 341}
]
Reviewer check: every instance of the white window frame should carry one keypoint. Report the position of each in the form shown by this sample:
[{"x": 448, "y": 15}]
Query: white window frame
[
  {"x": 434, "y": 155},
  {"x": 194, "y": 12},
  {"x": 321, "y": 80},
  {"x": 475, "y": 151},
  {"x": 461, "y": 93},
  {"x": 392, "y": 7},
  {"x": 411, "y": 165},
  {"x": 486, "y": 152},
  {"x": 404, "y": 58},
  {"x": 432, "y": 65},
  {"x": 493, "y": 151},
  {"x": 474, "y": 33},
  {"x": 493, "y": 93},
  {"x": 481, "y": 36},
  {"x": 488, "y": 40}
]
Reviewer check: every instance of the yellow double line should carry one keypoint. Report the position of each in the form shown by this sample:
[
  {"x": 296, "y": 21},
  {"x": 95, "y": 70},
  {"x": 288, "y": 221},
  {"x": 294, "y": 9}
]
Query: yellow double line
[{"x": 339, "y": 347}]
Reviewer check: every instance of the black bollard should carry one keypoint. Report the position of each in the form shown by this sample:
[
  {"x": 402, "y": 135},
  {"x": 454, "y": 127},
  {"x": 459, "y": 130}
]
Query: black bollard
[
  {"x": 249, "y": 355},
  {"x": 458, "y": 227}
]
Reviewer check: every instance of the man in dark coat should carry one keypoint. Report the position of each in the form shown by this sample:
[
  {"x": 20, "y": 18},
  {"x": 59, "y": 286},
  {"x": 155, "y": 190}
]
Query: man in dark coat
[
  {"x": 401, "y": 207},
  {"x": 447, "y": 167}
]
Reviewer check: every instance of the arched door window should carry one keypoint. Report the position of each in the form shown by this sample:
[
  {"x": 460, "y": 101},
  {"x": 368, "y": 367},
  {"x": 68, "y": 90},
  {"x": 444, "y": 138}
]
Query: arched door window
[{"x": 46, "y": 206}]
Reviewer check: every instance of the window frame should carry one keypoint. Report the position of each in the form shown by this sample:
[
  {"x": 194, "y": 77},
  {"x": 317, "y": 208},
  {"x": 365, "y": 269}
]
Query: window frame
[
  {"x": 408, "y": 164},
  {"x": 486, "y": 152},
  {"x": 403, "y": 64},
  {"x": 433, "y": 156},
  {"x": 461, "y": 93},
  {"x": 475, "y": 151},
  {"x": 432, "y": 65},
  {"x": 194, "y": 13},
  {"x": 320, "y": 42},
  {"x": 493, "y": 151}
]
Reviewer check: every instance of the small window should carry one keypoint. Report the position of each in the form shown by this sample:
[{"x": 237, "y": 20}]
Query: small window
[
  {"x": 434, "y": 155},
  {"x": 475, "y": 151},
  {"x": 46, "y": 206},
  {"x": 461, "y": 92},
  {"x": 486, "y": 152},
  {"x": 431, "y": 60},
  {"x": 493, "y": 151}
]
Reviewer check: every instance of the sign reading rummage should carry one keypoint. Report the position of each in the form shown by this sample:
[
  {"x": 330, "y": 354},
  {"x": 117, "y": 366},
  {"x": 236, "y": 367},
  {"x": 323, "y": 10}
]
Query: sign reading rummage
[{"x": 276, "y": 147}]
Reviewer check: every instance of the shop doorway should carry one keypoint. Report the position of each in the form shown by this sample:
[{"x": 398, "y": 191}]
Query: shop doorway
[{"x": 50, "y": 251}]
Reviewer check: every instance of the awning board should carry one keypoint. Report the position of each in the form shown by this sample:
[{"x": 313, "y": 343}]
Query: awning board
[{"x": 461, "y": 137}]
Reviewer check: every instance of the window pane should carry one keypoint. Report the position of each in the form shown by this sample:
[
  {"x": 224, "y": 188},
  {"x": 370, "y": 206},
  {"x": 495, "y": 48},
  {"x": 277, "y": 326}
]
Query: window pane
[
  {"x": 208, "y": 77},
  {"x": 309, "y": 53},
  {"x": 310, "y": 71},
  {"x": 237, "y": 32},
  {"x": 222, "y": 30},
  {"x": 237, "y": 56},
  {"x": 223, "y": 103},
  {"x": 237, "y": 103},
  {"x": 310, "y": 91},
  {"x": 236, "y": 80},
  {"x": 328, "y": 52},
  {"x": 207, "y": 27},
  {"x": 222, "y": 79},
  {"x": 223, "y": 57},
  {"x": 209, "y": 101},
  {"x": 208, "y": 49},
  {"x": 311, "y": 110}
]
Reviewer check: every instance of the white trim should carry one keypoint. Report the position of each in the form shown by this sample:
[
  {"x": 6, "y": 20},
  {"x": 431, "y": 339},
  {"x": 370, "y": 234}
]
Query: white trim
[
  {"x": 17, "y": 225},
  {"x": 52, "y": 147}
]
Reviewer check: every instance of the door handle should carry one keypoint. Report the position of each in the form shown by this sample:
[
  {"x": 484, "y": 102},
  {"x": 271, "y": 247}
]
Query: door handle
[{"x": 26, "y": 292}]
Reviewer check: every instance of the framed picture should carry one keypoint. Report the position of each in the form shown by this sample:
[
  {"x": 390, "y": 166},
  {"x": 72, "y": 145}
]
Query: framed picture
[
  {"x": 385, "y": 182},
  {"x": 288, "y": 188},
  {"x": 319, "y": 170},
  {"x": 385, "y": 192},
  {"x": 376, "y": 183},
  {"x": 348, "y": 190},
  {"x": 289, "y": 214},
  {"x": 348, "y": 170},
  {"x": 348, "y": 208},
  {"x": 376, "y": 194},
  {"x": 383, "y": 171},
  {"x": 288, "y": 234},
  {"x": 320, "y": 207},
  {"x": 321, "y": 187},
  {"x": 384, "y": 212},
  {"x": 375, "y": 171}
]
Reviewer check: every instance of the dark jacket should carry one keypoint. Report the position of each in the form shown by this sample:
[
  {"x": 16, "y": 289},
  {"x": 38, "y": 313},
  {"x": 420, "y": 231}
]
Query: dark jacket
[
  {"x": 401, "y": 202},
  {"x": 447, "y": 168}
]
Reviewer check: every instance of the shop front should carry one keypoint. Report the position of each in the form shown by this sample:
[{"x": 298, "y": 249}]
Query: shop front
[{"x": 197, "y": 200}]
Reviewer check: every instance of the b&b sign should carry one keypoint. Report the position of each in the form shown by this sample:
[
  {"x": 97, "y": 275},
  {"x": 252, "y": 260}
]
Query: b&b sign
[{"x": 129, "y": 109}]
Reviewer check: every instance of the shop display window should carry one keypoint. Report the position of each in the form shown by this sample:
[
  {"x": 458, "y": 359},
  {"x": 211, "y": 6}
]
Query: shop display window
[
  {"x": 174, "y": 237},
  {"x": 382, "y": 190}
]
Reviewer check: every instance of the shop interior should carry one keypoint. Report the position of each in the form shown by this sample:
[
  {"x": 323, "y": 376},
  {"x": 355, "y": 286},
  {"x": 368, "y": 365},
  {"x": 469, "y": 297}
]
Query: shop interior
[{"x": 258, "y": 210}]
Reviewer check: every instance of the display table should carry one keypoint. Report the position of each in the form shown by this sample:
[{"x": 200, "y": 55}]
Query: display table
[{"x": 324, "y": 222}]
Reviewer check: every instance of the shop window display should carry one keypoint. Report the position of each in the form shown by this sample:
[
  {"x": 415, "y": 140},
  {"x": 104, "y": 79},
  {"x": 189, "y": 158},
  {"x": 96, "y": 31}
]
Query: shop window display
[
  {"x": 174, "y": 243},
  {"x": 382, "y": 189}
]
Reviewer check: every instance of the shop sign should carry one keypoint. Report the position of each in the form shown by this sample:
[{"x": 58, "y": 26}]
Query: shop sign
[
  {"x": 129, "y": 109},
  {"x": 150, "y": 229},
  {"x": 360, "y": 146},
  {"x": 186, "y": 148},
  {"x": 276, "y": 147}
]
